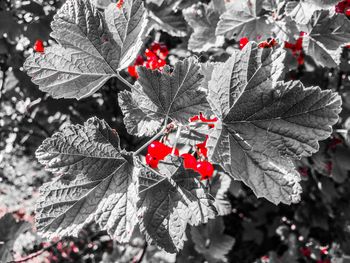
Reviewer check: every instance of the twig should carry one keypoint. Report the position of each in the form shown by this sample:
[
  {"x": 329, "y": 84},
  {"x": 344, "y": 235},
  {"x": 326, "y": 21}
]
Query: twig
[
  {"x": 143, "y": 253},
  {"x": 127, "y": 83},
  {"x": 151, "y": 140},
  {"x": 35, "y": 254},
  {"x": 178, "y": 132}
]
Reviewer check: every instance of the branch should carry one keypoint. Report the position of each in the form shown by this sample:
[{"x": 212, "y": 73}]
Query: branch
[{"x": 35, "y": 254}]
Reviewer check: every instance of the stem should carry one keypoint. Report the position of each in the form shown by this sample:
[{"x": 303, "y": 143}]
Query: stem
[
  {"x": 143, "y": 253},
  {"x": 127, "y": 83},
  {"x": 151, "y": 140},
  {"x": 35, "y": 254},
  {"x": 176, "y": 139},
  {"x": 149, "y": 168}
]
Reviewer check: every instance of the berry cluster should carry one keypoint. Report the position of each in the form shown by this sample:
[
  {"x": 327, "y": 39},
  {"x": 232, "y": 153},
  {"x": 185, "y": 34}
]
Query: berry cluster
[
  {"x": 156, "y": 152},
  {"x": 271, "y": 42},
  {"x": 297, "y": 48},
  {"x": 343, "y": 7},
  {"x": 155, "y": 55},
  {"x": 39, "y": 46}
]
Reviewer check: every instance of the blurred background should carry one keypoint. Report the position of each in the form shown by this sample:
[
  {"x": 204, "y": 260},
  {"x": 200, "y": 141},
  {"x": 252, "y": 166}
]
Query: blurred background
[{"x": 315, "y": 230}]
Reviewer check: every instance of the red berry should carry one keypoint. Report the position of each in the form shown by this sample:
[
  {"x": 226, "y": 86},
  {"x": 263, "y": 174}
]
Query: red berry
[
  {"x": 190, "y": 161},
  {"x": 39, "y": 46},
  {"x": 158, "y": 150},
  {"x": 146, "y": 64},
  {"x": 205, "y": 169},
  {"x": 163, "y": 52},
  {"x": 153, "y": 64},
  {"x": 150, "y": 55},
  {"x": 242, "y": 42},
  {"x": 132, "y": 71},
  {"x": 202, "y": 147},
  {"x": 161, "y": 63},
  {"x": 347, "y": 12},
  {"x": 155, "y": 47},
  {"x": 120, "y": 4},
  {"x": 152, "y": 161},
  {"x": 305, "y": 251},
  {"x": 301, "y": 59},
  {"x": 139, "y": 61},
  {"x": 194, "y": 118}
]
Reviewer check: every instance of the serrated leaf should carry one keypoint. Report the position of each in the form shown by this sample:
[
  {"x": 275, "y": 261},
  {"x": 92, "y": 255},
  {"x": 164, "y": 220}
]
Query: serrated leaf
[
  {"x": 302, "y": 11},
  {"x": 10, "y": 229},
  {"x": 203, "y": 19},
  {"x": 326, "y": 36},
  {"x": 237, "y": 22},
  {"x": 167, "y": 204},
  {"x": 161, "y": 95},
  {"x": 128, "y": 27},
  {"x": 211, "y": 242},
  {"x": 96, "y": 182},
  {"x": 263, "y": 124},
  {"x": 87, "y": 55}
]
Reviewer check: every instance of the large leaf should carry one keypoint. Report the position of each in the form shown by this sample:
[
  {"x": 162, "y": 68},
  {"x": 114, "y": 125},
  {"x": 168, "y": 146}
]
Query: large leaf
[
  {"x": 203, "y": 19},
  {"x": 88, "y": 54},
  {"x": 171, "y": 200},
  {"x": 264, "y": 124},
  {"x": 10, "y": 229},
  {"x": 326, "y": 36},
  {"x": 211, "y": 242},
  {"x": 242, "y": 21},
  {"x": 95, "y": 183},
  {"x": 161, "y": 95},
  {"x": 302, "y": 11}
]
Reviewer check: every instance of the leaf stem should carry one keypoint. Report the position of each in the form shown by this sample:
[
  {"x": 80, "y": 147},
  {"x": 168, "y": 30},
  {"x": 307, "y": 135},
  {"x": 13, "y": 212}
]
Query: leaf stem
[
  {"x": 151, "y": 140},
  {"x": 127, "y": 83},
  {"x": 178, "y": 132}
]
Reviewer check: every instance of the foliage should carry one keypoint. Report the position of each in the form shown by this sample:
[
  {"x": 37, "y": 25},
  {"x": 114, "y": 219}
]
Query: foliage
[{"x": 248, "y": 90}]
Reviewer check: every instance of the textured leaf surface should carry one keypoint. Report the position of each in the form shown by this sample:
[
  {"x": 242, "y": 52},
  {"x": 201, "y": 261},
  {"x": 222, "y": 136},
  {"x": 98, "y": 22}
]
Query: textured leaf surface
[
  {"x": 128, "y": 27},
  {"x": 326, "y": 35},
  {"x": 95, "y": 184},
  {"x": 264, "y": 124},
  {"x": 241, "y": 21},
  {"x": 211, "y": 242},
  {"x": 302, "y": 11},
  {"x": 88, "y": 54},
  {"x": 203, "y": 19},
  {"x": 167, "y": 204},
  {"x": 10, "y": 229},
  {"x": 162, "y": 95},
  {"x": 219, "y": 186}
]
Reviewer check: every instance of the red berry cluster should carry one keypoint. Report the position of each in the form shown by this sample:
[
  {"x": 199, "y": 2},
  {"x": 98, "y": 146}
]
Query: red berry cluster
[
  {"x": 156, "y": 152},
  {"x": 155, "y": 55},
  {"x": 39, "y": 46},
  {"x": 201, "y": 166},
  {"x": 343, "y": 7},
  {"x": 264, "y": 44},
  {"x": 297, "y": 48}
]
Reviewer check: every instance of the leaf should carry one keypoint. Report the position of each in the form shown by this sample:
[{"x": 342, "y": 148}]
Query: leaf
[
  {"x": 236, "y": 23},
  {"x": 87, "y": 55},
  {"x": 10, "y": 229},
  {"x": 211, "y": 242},
  {"x": 203, "y": 19},
  {"x": 161, "y": 95},
  {"x": 302, "y": 11},
  {"x": 168, "y": 18},
  {"x": 264, "y": 124},
  {"x": 326, "y": 36},
  {"x": 219, "y": 187},
  {"x": 128, "y": 27},
  {"x": 96, "y": 182},
  {"x": 169, "y": 202}
]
